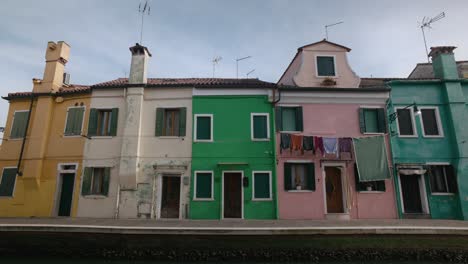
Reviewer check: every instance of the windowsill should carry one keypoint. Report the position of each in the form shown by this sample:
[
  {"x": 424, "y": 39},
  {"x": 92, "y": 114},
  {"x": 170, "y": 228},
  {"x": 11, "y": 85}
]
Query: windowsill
[
  {"x": 6, "y": 197},
  {"x": 260, "y": 139},
  {"x": 204, "y": 141},
  {"x": 374, "y": 133},
  {"x": 101, "y": 137},
  {"x": 71, "y": 136},
  {"x": 299, "y": 191},
  {"x": 203, "y": 199},
  {"x": 439, "y": 136},
  {"x": 407, "y": 136},
  {"x": 290, "y": 132},
  {"x": 262, "y": 199},
  {"x": 169, "y": 137},
  {"x": 94, "y": 196},
  {"x": 371, "y": 192},
  {"x": 443, "y": 194},
  {"x": 326, "y": 76},
  {"x": 15, "y": 139}
]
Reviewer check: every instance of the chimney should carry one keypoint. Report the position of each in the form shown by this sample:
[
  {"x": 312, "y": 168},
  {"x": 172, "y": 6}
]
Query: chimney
[
  {"x": 138, "y": 68},
  {"x": 56, "y": 57},
  {"x": 443, "y": 62}
]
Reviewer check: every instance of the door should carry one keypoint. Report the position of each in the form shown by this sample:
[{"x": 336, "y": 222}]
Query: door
[
  {"x": 66, "y": 194},
  {"x": 411, "y": 193},
  {"x": 170, "y": 200},
  {"x": 232, "y": 191},
  {"x": 334, "y": 190}
]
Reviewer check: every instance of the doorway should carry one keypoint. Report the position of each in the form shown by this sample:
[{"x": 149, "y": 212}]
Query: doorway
[
  {"x": 232, "y": 195},
  {"x": 66, "y": 194},
  {"x": 170, "y": 200},
  {"x": 411, "y": 194},
  {"x": 334, "y": 190}
]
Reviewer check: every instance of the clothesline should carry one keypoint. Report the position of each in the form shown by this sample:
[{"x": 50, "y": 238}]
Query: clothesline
[
  {"x": 325, "y": 145},
  {"x": 332, "y": 136}
]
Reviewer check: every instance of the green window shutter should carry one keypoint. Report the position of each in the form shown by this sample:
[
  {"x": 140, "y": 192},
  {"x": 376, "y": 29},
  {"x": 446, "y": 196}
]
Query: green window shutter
[
  {"x": 69, "y": 126},
  {"x": 287, "y": 176},
  {"x": 299, "y": 119},
  {"x": 86, "y": 187},
  {"x": 106, "y": 182},
  {"x": 325, "y": 66},
  {"x": 159, "y": 122},
  {"x": 262, "y": 185},
  {"x": 380, "y": 186},
  {"x": 278, "y": 118},
  {"x": 7, "y": 185},
  {"x": 20, "y": 121},
  {"x": 182, "y": 121},
  {"x": 114, "y": 122},
  {"x": 93, "y": 122},
  {"x": 203, "y": 128},
  {"x": 260, "y": 127},
  {"x": 362, "y": 120},
  {"x": 381, "y": 119},
  {"x": 310, "y": 176},
  {"x": 203, "y": 186},
  {"x": 451, "y": 179}
]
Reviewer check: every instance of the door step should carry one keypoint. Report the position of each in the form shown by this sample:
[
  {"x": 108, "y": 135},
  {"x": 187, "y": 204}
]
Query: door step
[
  {"x": 343, "y": 216},
  {"x": 416, "y": 216}
]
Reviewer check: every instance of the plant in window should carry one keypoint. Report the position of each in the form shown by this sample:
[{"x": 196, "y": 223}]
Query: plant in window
[
  {"x": 298, "y": 182},
  {"x": 328, "y": 82}
]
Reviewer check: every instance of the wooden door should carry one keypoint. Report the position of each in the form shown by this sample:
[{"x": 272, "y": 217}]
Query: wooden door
[
  {"x": 232, "y": 195},
  {"x": 334, "y": 190},
  {"x": 66, "y": 194},
  {"x": 411, "y": 193},
  {"x": 170, "y": 200}
]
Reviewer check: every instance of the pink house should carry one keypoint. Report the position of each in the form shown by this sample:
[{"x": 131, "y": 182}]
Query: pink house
[{"x": 322, "y": 102}]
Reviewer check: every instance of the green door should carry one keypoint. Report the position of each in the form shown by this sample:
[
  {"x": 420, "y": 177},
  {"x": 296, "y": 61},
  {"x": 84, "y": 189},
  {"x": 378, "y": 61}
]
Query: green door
[{"x": 66, "y": 194}]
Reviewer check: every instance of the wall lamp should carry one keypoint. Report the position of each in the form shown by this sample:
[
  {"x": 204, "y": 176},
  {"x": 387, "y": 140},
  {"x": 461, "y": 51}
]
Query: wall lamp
[{"x": 392, "y": 117}]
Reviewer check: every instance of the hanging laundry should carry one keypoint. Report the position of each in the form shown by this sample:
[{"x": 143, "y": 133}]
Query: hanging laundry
[
  {"x": 345, "y": 146},
  {"x": 308, "y": 143},
  {"x": 296, "y": 142},
  {"x": 318, "y": 142},
  {"x": 331, "y": 146},
  {"x": 285, "y": 141}
]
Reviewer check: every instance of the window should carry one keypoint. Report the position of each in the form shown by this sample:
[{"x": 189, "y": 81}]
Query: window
[
  {"x": 170, "y": 122},
  {"x": 372, "y": 120},
  {"x": 326, "y": 66},
  {"x": 20, "y": 121},
  {"x": 262, "y": 185},
  {"x": 442, "y": 179},
  {"x": 405, "y": 122},
  {"x": 289, "y": 118},
  {"x": 204, "y": 127},
  {"x": 370, "y": 186},
  {"x": 299, "y": 176},
  {"x": 74, "y": 121},
  {"x": 260, "y": 126},
  {"x": 431, "y": 122},
  {"x": 7, "y": 182},
  {"x": 103, "y": 122},
  {"x": 203, "y": 185},
  {"x": 96, "y": 181}
]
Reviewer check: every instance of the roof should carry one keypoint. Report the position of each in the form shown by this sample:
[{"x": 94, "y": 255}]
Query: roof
[
  {"x": 425, "y": 70},
  {"x": 70, "y": 89},
  {"x": 192, "y": 82},
  {"x": 325, "y": 41}
]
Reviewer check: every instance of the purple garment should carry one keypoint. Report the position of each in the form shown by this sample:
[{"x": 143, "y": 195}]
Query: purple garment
[{"x": 346, "y": 145}]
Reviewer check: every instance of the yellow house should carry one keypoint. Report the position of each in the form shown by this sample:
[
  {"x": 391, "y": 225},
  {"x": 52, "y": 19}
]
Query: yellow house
[{"x": 40, "y": 172}]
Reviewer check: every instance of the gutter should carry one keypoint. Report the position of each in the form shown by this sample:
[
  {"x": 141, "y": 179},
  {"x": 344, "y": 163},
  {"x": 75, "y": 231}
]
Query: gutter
[{"x": 18, "y": 172}]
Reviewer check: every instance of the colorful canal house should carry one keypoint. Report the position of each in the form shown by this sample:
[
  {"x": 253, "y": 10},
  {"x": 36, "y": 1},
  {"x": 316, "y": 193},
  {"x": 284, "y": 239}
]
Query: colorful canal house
[
  {"x": 42, "y": 148},
  {"x": 233, "y": 152},
  {"x": 429, "y": 138},
  {"x": 331, "y": 139}
]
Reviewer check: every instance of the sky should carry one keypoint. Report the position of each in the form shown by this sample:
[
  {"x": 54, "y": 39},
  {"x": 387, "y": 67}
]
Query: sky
[{"x": 185, "y": 35}]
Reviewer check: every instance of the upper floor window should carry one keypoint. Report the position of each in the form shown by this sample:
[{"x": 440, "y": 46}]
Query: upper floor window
[
  {"x": 203, "y": 127},
  {"x": 326, "y": 66},
  {"x": 103, "y": 122},
  {"x": 289, "y": 118},
  {"x": 372, "y": 120},
  {"x": 260, "y": 126},
  {"x": 170, "y": 122},
  {"x": 442, "y": 179},
  {"x": 405, "y": 122},
  {"x": 20, "y": 121},
  {"x": 74, "y": 122},
  {"x": 430, "y": 121}
]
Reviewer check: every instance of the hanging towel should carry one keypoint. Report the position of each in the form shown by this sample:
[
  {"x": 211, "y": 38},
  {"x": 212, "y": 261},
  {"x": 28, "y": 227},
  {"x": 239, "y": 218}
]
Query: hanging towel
[
  {"x": 318, "y": 142},
  {"x": 285, "y": 141},
  {"x": 296, "y": 142},
  {"x": 308, "y": 143},
  {"x": 331, "y": 146},
  {"x": 345, "y": 146},
  {"x": 371, "y": 158}
]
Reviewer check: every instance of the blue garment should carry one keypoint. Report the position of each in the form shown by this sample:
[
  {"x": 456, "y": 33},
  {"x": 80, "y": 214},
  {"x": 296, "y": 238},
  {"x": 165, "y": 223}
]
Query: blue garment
[
  {"x": 285, "y": 141},
  {"x": 331, "y": 146}
]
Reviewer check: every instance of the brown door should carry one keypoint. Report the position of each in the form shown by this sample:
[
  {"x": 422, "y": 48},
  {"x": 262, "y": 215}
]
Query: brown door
[
  {"x": 232, "y": 195},
  {"x": 170, "y": 200},
  {"x": 334, "y": 190}
]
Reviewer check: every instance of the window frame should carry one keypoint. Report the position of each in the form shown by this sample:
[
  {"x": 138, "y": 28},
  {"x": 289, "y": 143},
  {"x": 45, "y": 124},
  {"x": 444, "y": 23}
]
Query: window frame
[
  {"x": 195, "y": 174},
  {"x": 82, "y": 122},
  {"x": 448, "y": 193},
  {"x": 376, "y": 108},
  {"x": 300, "y": 162},
  {"x": 102, "y": 182},
  {"x": 252, "y": 133},
  {"x": 438, "y": 121},
  {"x": 334, "y": 66},
  {"x": 14, "y": 186},
  {"x": 99, "y": 111},
  {"x": 196, "y": 126},
  {"x": 413, "y": 120},
  {"x": 270, "y": 198},
  {"x": 295, "y": 120},
  {"x": 12, "y": 124}
]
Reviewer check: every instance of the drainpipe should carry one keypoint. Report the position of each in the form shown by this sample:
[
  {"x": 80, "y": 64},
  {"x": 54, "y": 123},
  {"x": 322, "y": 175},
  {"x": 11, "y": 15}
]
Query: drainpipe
[
  {"x": 275, "y": 158},
  {"x": 18, "y": 172}
]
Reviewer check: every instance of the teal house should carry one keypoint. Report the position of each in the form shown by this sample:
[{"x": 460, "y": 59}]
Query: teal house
[
  {"x": 428, "y": 120},
  {"x": 233, "y": 151}
]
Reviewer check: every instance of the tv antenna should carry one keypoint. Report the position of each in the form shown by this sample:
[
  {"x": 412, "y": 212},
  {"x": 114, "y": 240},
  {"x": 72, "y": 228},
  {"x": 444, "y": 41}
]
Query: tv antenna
[
  {"x": 143, "y": 10},
  {"x": 215, "y": 62},
  {"x": 250, "y": 72},
  {"x": 426, "y": 23},
  {"x": 237, "y": 64},
  {"x": 331, "y": 25}
]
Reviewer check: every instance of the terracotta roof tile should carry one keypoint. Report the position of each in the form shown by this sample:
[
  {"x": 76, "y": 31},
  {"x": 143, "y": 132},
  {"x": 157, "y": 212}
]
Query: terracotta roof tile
[
  {"x": 195, "y": 82},
  {"x": 425, "y": 70},
  {"x": 73, "y": 88}
]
